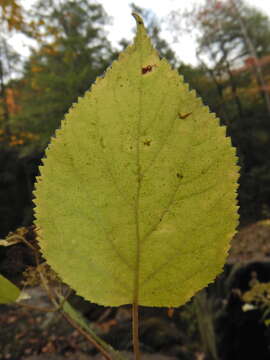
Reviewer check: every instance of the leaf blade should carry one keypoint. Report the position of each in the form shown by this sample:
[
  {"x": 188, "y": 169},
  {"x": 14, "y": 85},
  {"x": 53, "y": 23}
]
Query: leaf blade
[
  {"x": 8, "y": 291},
  {"x": 133, "y": 166}
]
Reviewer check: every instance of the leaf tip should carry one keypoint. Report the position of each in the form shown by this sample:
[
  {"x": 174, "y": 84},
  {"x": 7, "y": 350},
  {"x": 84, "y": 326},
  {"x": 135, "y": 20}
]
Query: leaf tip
[{"x": 138, "y": 19}]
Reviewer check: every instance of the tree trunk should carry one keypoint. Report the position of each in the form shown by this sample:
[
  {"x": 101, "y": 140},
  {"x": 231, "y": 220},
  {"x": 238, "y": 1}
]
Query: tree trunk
[{"x": 257, "y": 67}]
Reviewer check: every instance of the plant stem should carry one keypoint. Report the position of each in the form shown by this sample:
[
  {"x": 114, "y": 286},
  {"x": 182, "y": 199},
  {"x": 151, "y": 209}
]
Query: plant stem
[
  {"x": 88, "y": 337},
  {"x": 74, "y": 318},
  {"x": 135, "y": 330},
  {"x": 77, "y": 320},
  {"x": 32, "y": 307}
]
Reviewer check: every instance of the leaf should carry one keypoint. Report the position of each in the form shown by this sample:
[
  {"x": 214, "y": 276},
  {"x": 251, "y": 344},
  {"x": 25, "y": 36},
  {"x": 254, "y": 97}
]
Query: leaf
[
  {"x": 8, "y": 291},
  {"x": 137, "y": 196},
  {"x": 77, "y": 317}
]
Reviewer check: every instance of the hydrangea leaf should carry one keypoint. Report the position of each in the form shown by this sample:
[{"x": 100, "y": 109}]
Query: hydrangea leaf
[
  {"x": 136, "y": 200},
  {"x": 8, "y": 291}
]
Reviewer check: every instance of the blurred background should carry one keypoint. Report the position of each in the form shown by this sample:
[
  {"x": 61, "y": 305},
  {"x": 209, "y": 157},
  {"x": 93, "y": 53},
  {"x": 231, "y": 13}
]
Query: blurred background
[{"x": 51, "y": 51}]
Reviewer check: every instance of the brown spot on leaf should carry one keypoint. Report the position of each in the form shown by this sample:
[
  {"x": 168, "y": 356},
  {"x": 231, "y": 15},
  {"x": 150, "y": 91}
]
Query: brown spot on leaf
[
  {"x": 184, "y": 116},
  {"x": 147, "y": 69},
  {"x": 179, "y": 176},
  {"x": 147, "y": 142}
]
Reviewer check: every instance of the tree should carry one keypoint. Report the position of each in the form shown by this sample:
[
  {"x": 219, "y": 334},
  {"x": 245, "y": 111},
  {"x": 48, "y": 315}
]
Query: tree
[
  {"x": 11, "y": 15},
  {"x": 230, "y": 32},
  {"x": 73, "y": 51},
  {"x": 220, "y": 25},
  {"x": 254, "y": 53},
  {"x": 11, "y": 19}
]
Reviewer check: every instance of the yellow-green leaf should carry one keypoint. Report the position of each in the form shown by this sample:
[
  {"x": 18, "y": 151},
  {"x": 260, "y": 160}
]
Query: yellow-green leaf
[
  {"x": 8, "y": 291},
  {"x": 137, "y": 196}
]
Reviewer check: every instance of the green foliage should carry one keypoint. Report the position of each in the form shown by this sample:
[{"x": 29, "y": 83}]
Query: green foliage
[
  {"x": 10, "y": 19},
  {"x": 220, "y": 31},
  {"x": 11, "y": 15},
  {"x": 73, "y": 51},
  {"x": 8, "y": 291},
  {"x": 136, "y": 198},
  {"x": 259, "y": 295},
  {"x": 78, "y": 318}
]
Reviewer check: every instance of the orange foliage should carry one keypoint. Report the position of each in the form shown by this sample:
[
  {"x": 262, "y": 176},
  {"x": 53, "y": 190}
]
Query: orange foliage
[
  {"x": 21, "y": 138},
  {"x": 248, "y": 66},
  {"x": 36, "y": 69},
  {"x": 250, "y": 62},
  {"x": 49, "y": 50},
  {"x": 11, "y": 13},
  {"x": 11, "y": 94}
]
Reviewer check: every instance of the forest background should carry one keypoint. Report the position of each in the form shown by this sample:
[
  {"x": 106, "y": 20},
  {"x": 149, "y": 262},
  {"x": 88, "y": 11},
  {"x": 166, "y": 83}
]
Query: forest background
[{"x": 232, "y": 77}]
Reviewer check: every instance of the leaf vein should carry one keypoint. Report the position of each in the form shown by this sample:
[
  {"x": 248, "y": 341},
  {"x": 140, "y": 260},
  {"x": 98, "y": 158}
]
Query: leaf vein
[
  {"x": 171, "y": 259},
  {"x": 166, "y": 210}
]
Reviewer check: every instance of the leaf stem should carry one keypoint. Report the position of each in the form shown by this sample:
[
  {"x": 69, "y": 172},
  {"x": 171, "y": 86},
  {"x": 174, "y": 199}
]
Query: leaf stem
[
  {"x": 90, "y": 338},
  {"x": 135, "y": 330},
  {"x": 77, "y": 320},
  {"x": 60, "y": 303}
]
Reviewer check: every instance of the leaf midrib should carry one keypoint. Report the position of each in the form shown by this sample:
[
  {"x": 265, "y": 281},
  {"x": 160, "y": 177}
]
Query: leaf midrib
[{"x": 137, "y": 201}]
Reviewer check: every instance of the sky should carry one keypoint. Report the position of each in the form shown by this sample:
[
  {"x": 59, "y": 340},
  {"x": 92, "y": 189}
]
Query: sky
[{"x": 123, "y": 23}]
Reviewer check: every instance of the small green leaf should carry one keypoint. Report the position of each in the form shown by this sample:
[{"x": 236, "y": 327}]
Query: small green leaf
[
  {"x": 78, "y": 318},
  {"x": 8, "y": 291},
  {"x": 137, "y": 196}
]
